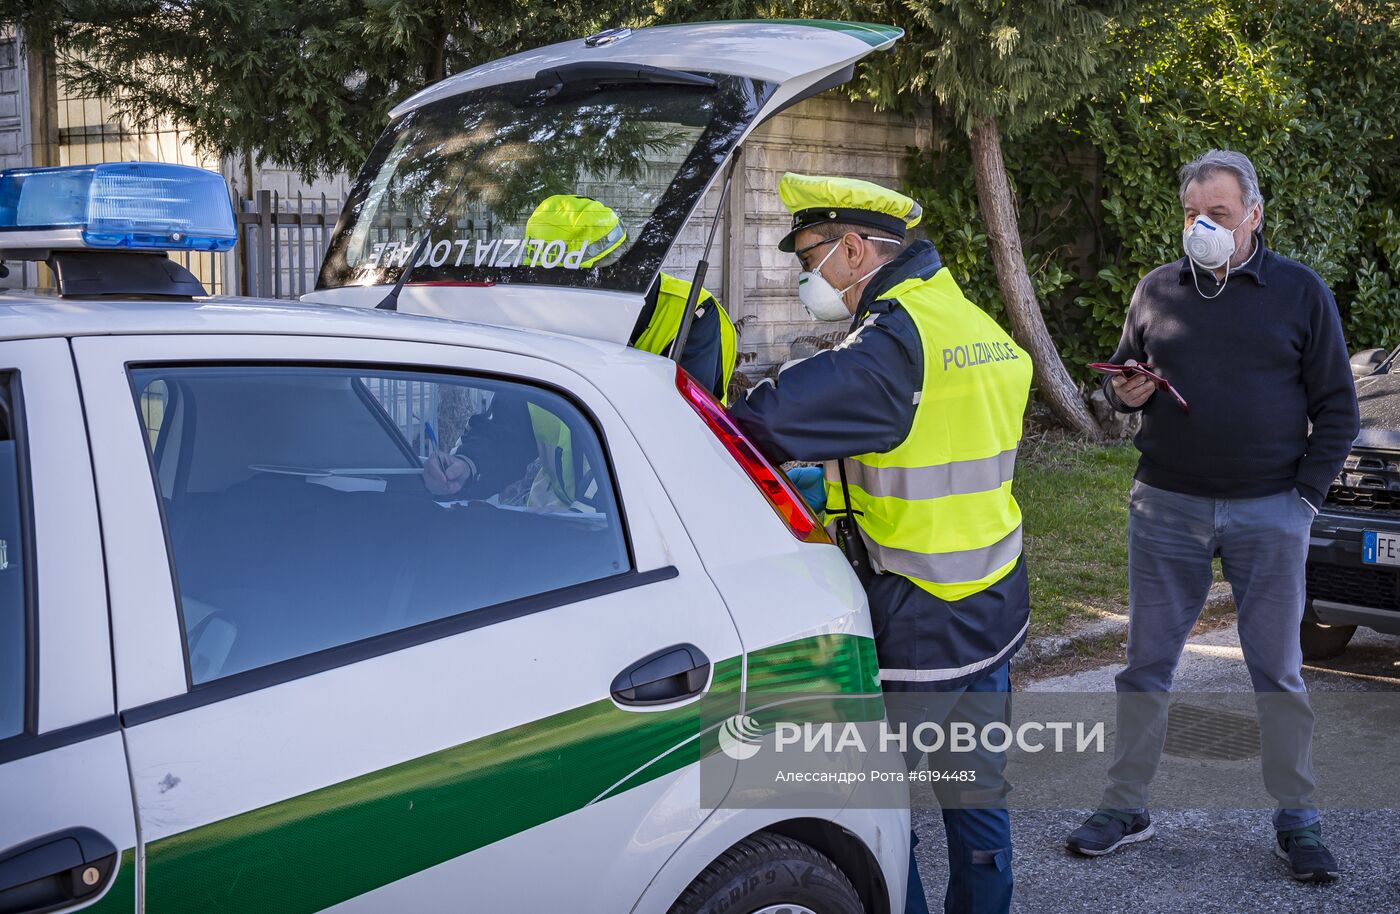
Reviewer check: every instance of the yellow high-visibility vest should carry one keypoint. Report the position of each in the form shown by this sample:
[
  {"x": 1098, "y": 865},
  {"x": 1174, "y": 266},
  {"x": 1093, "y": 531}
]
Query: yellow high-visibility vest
[
  {"x": 938, "y": 508},
  {"x": 666, "y": 323},
  {"x": 556, "y": 449}
]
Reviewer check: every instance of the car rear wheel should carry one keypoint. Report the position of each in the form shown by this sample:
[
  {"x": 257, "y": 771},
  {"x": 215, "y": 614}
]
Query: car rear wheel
[
  {"x": 770, "y": 874},
  {"x": 1322, "y": 641}
]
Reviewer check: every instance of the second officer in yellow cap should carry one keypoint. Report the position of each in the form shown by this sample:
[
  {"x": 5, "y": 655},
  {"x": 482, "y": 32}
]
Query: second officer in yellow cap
[
  {"x": 917, "y": 416},
  {"x": 591, "y": 231}
]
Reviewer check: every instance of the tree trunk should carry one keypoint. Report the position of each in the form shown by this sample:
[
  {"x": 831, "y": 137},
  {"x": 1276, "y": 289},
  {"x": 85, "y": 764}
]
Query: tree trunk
[
  {"x": 1022, "y": 307},
  {"x": 439, "y": 72}
]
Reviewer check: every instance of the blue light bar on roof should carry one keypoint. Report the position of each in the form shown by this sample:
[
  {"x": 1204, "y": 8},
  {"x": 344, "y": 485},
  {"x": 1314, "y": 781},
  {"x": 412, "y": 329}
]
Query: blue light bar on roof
[{"x": 116, "y": 206}]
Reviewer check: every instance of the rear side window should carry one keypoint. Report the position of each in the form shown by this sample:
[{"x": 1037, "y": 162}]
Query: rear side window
[
  {"x": 13, "y": 669},
  {"x": 312, "y": 507}
]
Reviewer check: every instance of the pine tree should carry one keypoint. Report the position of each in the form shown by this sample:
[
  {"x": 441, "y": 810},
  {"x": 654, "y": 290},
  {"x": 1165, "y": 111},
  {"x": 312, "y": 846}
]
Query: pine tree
[
  {"x": 304, "y": 84},
  {"x": 999, "y": 68}
]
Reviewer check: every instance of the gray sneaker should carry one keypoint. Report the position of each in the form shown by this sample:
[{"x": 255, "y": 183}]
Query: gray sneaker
[{"x": 1109, "y": 829}]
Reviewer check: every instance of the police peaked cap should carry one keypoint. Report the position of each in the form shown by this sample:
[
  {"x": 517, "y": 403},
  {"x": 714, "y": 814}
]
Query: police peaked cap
[{"x": 815, "y": 200}]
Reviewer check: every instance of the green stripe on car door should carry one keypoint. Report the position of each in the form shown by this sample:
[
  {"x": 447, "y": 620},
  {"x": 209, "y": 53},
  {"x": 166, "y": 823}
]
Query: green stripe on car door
[
  {"x": 832, "y": 664},
  {"x": 121, "y": 897},
  {"x": 323, "y": 847},
  {"x": 816, "y": 680},
  {"x": 332, "y": 844}
]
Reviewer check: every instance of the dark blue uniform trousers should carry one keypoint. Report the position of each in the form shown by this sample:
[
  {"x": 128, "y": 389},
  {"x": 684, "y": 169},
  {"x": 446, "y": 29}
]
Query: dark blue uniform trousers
[{"x": 975, "y": 818}]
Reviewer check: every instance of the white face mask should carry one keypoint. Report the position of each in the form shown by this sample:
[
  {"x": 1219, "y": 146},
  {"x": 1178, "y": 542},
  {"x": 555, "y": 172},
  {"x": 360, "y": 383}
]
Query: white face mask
[
  {"x": 1209, "y": 246},
  {"x": 821, "y": 300}
]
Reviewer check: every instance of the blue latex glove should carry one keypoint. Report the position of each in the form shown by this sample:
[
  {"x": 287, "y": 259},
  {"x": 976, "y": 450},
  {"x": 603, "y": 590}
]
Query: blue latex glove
[{"x": 811, "y": 485}]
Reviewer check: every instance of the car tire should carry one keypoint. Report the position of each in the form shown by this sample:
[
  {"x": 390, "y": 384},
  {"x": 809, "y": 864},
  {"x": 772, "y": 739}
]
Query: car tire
[
  {"x": 770, "y": 872},
  {"x": 1322, "y": 641}
]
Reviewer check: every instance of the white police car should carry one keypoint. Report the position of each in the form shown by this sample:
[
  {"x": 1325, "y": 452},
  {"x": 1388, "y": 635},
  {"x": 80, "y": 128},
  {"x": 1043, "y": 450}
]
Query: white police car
[{"x": 249, "y": 663}]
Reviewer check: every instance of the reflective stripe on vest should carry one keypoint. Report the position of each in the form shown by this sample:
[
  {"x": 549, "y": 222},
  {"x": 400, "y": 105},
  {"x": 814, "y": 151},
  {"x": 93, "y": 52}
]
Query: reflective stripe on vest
[
  {"x": 898, "y": 675},
  {"x": 951, "y": 569},
  {"x": 938, "y": 508},
  {"x": 665, "y": 323},
  {"x": 960, "y": 477}
]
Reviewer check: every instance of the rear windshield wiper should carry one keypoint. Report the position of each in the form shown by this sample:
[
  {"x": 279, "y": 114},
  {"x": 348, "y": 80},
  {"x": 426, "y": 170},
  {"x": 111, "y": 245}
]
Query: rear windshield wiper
[{"x": 593, "y": 76}]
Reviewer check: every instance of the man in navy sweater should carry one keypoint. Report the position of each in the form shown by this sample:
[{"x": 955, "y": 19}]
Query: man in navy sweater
[{"x": 1236, "y": 467}]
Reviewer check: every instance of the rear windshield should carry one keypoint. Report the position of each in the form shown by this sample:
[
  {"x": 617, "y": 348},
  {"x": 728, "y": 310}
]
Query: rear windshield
[{"x": 470, "y": 170}]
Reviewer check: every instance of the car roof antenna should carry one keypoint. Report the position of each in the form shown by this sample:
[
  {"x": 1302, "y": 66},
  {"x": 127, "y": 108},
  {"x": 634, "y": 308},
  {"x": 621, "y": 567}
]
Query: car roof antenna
[{"x": 678, "y": 348}]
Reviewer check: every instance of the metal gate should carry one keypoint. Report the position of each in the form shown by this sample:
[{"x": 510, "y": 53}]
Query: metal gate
[{"x": 282, "y": 241}]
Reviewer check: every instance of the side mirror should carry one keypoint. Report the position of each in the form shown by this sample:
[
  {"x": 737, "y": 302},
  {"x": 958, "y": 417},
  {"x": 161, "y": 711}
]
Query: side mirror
[{"x": 1367, "y": 361}]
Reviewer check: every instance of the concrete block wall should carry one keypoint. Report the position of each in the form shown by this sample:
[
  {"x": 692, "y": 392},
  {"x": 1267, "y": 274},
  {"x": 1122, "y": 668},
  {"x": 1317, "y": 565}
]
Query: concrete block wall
[
  {"x": 287, "y": 184},
  {"x": 14, "y": 130},
  {"x": 14, "y": 103},
  {"x": 827, "y": 134}
]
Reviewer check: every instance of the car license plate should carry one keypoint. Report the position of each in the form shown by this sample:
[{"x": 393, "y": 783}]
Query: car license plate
[{"x": 1380, "y": 548}]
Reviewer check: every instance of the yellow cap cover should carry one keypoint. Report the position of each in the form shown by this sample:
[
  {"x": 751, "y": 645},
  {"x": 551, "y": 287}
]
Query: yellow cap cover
[
  {"x": 582, "y": 223},
  {"x": 815, "y": 200}
]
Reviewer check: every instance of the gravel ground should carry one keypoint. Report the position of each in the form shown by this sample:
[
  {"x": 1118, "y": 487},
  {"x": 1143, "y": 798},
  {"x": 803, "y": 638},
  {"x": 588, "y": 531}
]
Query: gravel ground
[{"x": 1202, "y": 860}]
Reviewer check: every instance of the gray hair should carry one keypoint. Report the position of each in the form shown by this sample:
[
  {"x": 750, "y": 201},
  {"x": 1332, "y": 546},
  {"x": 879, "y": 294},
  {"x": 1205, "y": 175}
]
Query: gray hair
[
  {"x": 829, "y": 230},
  {"x": 1236, "y": 163}
]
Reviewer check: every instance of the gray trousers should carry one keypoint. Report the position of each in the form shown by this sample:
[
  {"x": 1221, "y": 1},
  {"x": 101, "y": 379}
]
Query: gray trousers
[{"x": 1262, "y": 544}]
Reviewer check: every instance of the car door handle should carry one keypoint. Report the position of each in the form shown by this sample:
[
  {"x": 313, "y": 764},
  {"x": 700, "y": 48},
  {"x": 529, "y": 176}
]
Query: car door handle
[
  {"x": 671, "y": 674},
  {"x": 58, "y": 870}
]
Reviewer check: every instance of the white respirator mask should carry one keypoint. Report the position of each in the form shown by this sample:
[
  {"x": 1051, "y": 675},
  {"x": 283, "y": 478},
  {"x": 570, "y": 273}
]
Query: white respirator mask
[
  {"x": 1210, "y": 247},
  {"x": 820, "y": 298}
]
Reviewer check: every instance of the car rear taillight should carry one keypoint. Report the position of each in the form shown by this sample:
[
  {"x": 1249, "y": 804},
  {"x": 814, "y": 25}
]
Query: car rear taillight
[{"x": 770, "y": 481}]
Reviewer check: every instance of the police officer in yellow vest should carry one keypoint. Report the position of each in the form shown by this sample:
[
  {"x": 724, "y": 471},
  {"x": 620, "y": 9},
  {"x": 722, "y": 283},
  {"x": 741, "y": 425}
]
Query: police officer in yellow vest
[
  {"x": 920, "y": 410},
  {"x": 590, "y": 227}
]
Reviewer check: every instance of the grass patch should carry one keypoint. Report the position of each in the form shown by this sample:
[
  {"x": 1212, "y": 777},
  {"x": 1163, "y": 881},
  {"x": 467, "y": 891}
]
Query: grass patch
[{"x": 1074, "y": 502}]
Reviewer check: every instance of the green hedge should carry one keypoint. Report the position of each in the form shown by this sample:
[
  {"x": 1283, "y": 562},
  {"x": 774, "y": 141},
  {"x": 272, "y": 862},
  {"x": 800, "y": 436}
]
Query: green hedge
[{"x": 1309, "y": 89}]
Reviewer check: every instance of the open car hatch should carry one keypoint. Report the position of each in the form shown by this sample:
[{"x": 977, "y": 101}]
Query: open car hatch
[{"x": 642, "y": 122}]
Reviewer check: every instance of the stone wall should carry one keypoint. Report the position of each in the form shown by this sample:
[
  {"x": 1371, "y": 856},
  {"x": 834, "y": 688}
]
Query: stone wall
[
  {"x": 14, "y": 130},
  {"x": 827, "y": 134},
  {"x": 287, "y": 184},
  {"x": 14, "y": 103}
]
